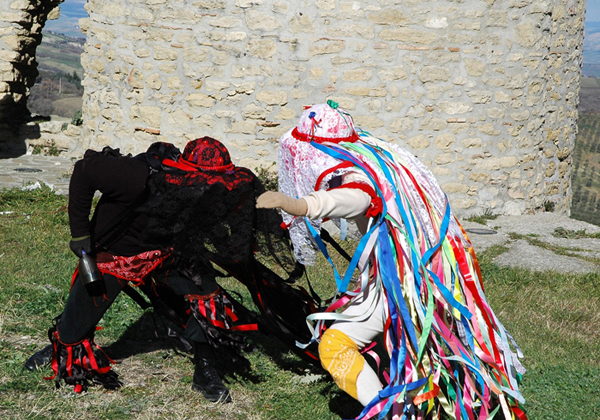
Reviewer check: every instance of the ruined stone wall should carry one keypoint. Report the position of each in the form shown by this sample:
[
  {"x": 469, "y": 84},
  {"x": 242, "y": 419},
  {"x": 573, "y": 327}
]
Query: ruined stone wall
[
  {"x": 483, "y": 92},
  {"x": 21, "y": 23}
]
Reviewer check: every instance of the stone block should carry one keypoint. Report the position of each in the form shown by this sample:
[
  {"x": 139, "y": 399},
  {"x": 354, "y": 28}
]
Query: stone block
[
  {"x": 168, "y": 67},
  {"x": 242, "y": 127},
  {"x": 114, "y": 10},
  {"x": 401, "y": 125},
  {"x": 527, "y": 34},
  {"x": 550, "y": 169},
  {"x": 165, "y": 53},
  {"x": 360, "y": 74},
  {"x": 153, "y": 81},
  {"x": 445, "y": 159},
  {"x": 325, "y": 4},
  {"x": 272, "y": 97},
  {"x": 225, "y": 22},
  {"x": 434, "y": 74},
  {"x": 300, "y": 24},
  {"x": 454, "y": 108},
  {"x": 142, "y": 52},
  {"x": 179, "y": 118},
  {"x": 253, "y": 111},
  {"x": 151, "y": 115},
  {"x": 326, "y": 47},
  {"x": 495, "y": 113},
  {"x": 471, "y": 143},
  {"x": 521, "y": 115},
  {"x": 262, "y": 21},
  {"x": 244, "y": 4},
  {"x": 9, "y": 56},
  {"x": 408, "y": 35},
  {"x": 195, "y": 54},
  {"x": 262, "y": 48},
  {"x": 433, "y": 123},
  {"x": 205, "y": 123},
  {"x": 200, "y": 99},
  {"x": 455, "y": 188},
  {"x": 220, "y": 58},
  {"x": 444, "y": 141},
  {"x": 286, "y": 114},
  {"x": 136, "y": 79},
  {"x": 389, "y": 74},
  {"x": 489, "y": 129},
  {"x": 174, "y": 83},
  {"x": 474, "y": 67},
  {"x": 365, "y": 91},
  {"x": 351, "y": 30},
  {"x": 419, "y": 142},
  {"x": 437, "y": 23},
  {"x": 564, "y": 169},
  {"x": 480, "y": 177},
  {"x": 389, "y": 16},
  {"x": 367, "y": 122},
  {"x": 480, "y": 96}
]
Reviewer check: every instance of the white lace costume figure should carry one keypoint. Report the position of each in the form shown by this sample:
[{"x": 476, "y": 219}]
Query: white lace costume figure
[{"x": 420, "y": 282}]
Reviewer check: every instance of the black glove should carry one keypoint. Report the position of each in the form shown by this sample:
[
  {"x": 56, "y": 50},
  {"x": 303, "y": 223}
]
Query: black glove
[{"x": 78, "y": 244}]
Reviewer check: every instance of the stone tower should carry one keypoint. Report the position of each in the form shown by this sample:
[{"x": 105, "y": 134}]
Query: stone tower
[{"x": 484, "y": 92}]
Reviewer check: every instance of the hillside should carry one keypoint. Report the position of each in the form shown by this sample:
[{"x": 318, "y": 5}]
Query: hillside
[
  {"x": 586, "y": 170},
  {"x": 60, "y": 53},
  {"x": 57, "y": 89}
]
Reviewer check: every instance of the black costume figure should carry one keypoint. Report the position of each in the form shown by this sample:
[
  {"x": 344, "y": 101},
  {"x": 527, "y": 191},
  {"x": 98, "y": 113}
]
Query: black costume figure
[
  {"x": 127, "y": 253},
  {"x": 163, "y": 222}
]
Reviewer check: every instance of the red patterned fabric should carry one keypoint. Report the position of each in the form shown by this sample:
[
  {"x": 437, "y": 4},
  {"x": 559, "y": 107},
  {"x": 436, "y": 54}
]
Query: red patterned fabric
[
  {"x": 133, "y": 269},
  {"x": 206, "y": 161},
  {"x": 207, "y": 154},
  {"x": 230, "y": 179}
]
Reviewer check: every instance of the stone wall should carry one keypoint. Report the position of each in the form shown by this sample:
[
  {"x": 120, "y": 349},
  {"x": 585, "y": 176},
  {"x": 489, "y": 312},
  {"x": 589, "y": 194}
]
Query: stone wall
[
  {"x": 483, "y": 92},
  {"x": 21, "y": 23}
]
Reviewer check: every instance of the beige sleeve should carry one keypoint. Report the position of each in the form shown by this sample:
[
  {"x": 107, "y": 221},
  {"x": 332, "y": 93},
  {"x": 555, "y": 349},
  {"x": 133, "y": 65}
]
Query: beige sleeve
[{"x": 344, "y": 203}]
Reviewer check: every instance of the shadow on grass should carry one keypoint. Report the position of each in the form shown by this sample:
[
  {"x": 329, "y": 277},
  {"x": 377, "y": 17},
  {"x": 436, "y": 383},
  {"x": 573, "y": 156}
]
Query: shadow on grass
[
  {"x": 152, "y": 332},
  {"x": 148, "y": 334}
]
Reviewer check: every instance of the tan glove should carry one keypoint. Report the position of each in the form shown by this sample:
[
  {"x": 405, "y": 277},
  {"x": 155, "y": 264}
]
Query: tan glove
[{"x": 277, "y": 200}]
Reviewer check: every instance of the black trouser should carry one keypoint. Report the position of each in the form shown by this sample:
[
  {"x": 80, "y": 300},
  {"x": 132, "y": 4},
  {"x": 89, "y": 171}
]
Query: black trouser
[{"x": 83, "y": 312}]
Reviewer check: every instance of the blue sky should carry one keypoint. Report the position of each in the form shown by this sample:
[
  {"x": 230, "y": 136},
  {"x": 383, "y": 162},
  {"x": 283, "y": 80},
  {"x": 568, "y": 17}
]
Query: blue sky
[
  {"x": 593, "y": 11},
  {"x": 72, "y": 10},
  {"x": 68, "y": 23}
]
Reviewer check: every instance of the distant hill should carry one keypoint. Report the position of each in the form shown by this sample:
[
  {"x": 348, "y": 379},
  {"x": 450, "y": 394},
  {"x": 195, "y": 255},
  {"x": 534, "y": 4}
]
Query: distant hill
[
  {"x": 59, "y": 52},
  {"x": 585, "y": 179},
  {"x": 585, "y": 175},
  {"x": 57, "y": 89},
  {"x": 589, "y": 95}
]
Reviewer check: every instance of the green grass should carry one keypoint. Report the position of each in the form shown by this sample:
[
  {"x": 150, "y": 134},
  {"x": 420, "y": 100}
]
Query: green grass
[
  {"x": 553, "y": 317},
  {"x": 483, "y": 218},
  {"x": 561, "y": 232}
]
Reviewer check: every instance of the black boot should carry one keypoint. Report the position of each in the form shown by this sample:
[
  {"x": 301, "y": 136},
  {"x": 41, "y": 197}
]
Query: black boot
[
  {"x": 39, "y": 358},
  {"x": 206, "y": 379}
]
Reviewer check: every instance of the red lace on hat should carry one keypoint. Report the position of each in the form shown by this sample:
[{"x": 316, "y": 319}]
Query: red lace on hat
[{"x": 207, "y": 154}]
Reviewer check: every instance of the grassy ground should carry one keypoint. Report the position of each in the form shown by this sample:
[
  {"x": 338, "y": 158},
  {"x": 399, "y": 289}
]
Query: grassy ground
[{"x": 553, "y": 317}]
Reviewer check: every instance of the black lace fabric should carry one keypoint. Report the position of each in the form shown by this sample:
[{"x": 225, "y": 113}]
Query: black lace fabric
[
  {"x": 210, "y": 220},
  {"x": 203, "y": 217}
]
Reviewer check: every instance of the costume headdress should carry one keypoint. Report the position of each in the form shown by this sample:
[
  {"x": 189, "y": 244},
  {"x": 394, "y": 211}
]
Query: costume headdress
[
  {"x": 300, "y": 165},
  {"x": 207, "y": 154}
]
